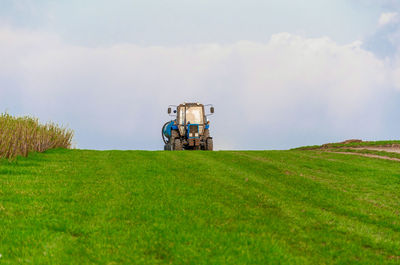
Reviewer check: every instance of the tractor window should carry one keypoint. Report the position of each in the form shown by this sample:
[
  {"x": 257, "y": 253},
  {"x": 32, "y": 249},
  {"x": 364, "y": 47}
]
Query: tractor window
[
  {"x": 194, "y": 115},
  {"x": 181, "y": 116}
]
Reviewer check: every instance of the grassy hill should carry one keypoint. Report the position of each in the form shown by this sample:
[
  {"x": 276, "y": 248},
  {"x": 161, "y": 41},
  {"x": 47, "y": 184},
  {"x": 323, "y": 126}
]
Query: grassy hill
[{"x": 256, "y": 207}]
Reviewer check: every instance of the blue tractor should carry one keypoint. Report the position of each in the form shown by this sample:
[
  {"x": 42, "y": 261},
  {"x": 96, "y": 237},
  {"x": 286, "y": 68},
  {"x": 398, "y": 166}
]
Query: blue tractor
[{"x": 190, "y": 130}]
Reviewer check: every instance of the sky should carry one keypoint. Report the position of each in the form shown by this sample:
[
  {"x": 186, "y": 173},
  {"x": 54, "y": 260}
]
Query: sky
[{"x": 280, "y": 73}]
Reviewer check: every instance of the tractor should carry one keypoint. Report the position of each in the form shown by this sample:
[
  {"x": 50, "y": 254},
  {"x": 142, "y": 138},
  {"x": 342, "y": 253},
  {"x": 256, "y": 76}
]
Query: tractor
[{"x": 190, "y": 130}]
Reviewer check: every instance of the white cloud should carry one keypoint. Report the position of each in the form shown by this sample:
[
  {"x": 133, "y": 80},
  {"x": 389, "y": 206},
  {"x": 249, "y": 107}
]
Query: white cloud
[
  {"x": 388, "y": 18},
  {"x": 289, "y": 91}
]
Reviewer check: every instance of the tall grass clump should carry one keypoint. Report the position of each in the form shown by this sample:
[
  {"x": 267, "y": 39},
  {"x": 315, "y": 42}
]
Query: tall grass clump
[{"x": 21, "y": 135}]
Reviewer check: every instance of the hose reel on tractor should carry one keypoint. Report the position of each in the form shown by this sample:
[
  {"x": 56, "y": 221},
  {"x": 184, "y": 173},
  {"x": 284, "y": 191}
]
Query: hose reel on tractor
[{"x": 167, "y": 146}]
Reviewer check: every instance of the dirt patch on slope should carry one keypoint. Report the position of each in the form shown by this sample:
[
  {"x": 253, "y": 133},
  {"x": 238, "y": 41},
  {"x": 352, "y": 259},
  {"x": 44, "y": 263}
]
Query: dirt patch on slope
[
  {"x": 367, "y": 155},
  {"x": 391, "y": 149},
  {"x": 384, "y": 147}
]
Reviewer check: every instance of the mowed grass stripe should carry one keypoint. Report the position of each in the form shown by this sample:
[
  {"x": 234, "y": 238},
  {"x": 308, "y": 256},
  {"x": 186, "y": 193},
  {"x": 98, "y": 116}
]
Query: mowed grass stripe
[
  {"x": 216, "y": 209},
  {"x": 290, "y": 207},
  {"x": 293, "y": 200},
  {"x": 339, "y": 212}
]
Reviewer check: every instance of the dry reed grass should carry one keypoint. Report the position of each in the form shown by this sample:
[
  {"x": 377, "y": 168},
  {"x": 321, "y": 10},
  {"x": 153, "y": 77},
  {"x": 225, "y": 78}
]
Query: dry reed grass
[{"x": 21, "y": 135}]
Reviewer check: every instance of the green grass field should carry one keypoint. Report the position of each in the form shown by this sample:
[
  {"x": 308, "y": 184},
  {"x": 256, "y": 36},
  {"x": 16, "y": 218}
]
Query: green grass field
[{"x": 256, "y": 207}]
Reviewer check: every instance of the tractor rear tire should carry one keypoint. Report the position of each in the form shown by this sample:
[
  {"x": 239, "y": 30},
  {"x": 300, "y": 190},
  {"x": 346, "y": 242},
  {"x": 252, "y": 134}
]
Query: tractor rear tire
[
  {"x": 209, "y": 144},
  {"x": 178, "y": 145},
  {"x": 167, "y": 147},
  {"x": 206, "y": 133},
  {"x": 174, "y": 134}
]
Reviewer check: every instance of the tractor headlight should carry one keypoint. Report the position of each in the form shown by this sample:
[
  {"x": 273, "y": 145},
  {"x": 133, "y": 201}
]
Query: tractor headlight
[
  {"x": 196, "y": 135},
  {"x": 191, "y": 134}
]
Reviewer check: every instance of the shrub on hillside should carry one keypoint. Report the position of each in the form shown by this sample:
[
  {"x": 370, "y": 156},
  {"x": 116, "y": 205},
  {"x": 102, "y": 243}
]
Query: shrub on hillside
[{"x": 21, "y": 135}]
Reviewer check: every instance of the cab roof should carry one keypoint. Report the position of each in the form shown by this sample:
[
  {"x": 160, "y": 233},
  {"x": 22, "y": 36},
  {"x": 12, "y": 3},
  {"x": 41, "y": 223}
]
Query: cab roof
[{"x": 191, "y": 104}]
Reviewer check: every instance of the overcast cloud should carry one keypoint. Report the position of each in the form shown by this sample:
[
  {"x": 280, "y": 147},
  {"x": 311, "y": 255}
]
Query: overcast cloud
[{"x": 290, "y": 89}]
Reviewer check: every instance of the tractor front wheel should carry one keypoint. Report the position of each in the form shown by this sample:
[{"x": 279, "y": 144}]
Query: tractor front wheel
[
  {"x": 178, "y": 144},
  {"x": 209, "y": 144}
]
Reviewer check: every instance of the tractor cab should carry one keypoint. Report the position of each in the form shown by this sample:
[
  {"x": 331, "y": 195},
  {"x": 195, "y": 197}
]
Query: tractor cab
[
  {"x": 191, "y": 120},
  {"x": 190, "y": 114}
]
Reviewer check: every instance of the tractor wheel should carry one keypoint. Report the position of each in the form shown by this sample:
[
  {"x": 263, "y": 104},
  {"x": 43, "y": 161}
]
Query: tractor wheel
[
  {"x": 178, "y": 144},
  {"x": 209, "y": 144},
  {"x": 206, "y": 133},
  {"x": 167, "y": 147},
  {"x": 174, "y": 134}
]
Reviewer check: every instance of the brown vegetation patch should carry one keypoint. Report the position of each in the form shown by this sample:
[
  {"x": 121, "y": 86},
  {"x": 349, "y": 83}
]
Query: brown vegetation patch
[{"x": 19, "y": 136}]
